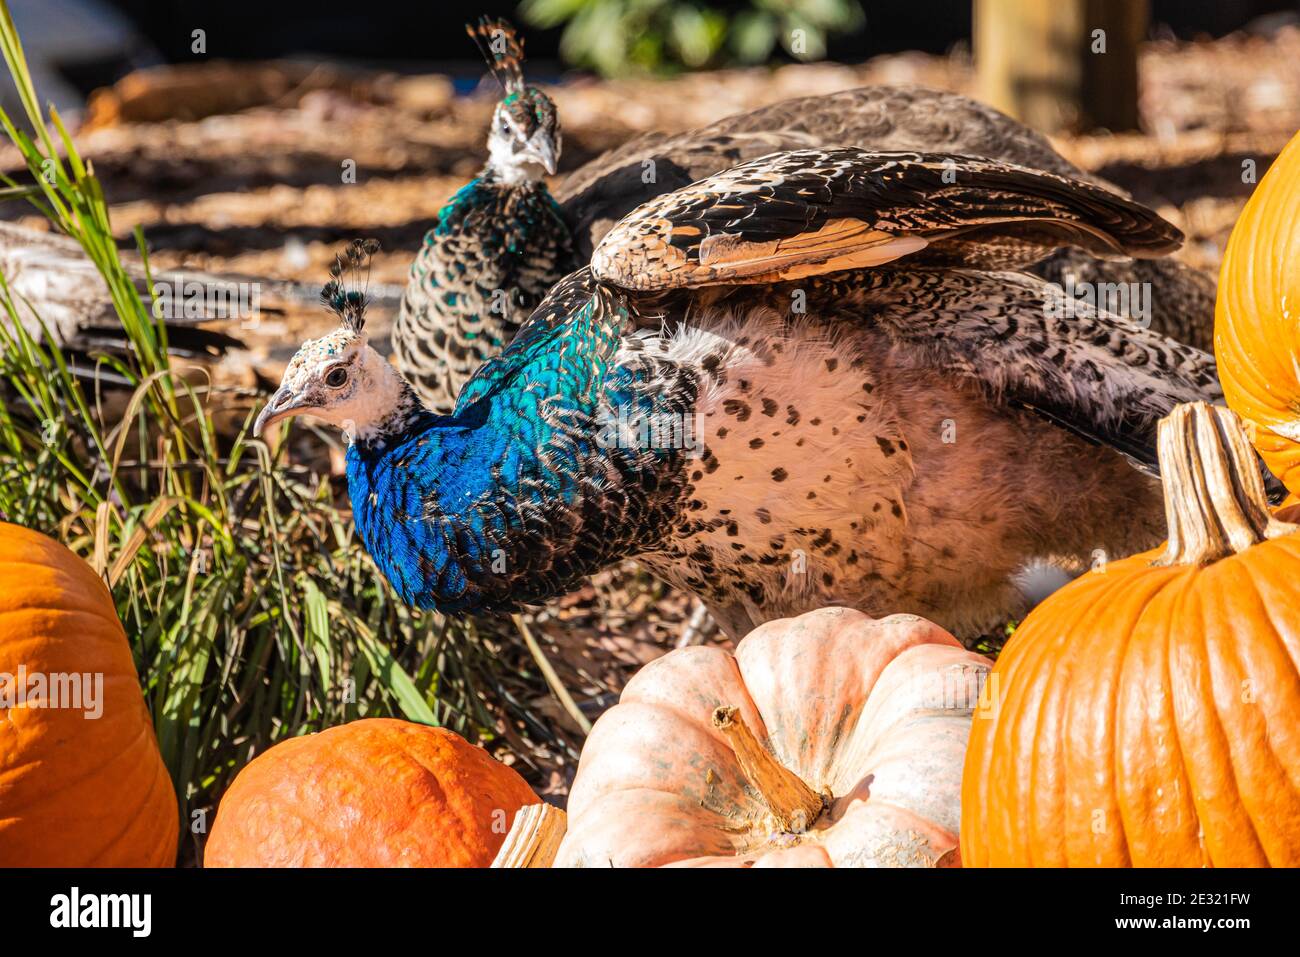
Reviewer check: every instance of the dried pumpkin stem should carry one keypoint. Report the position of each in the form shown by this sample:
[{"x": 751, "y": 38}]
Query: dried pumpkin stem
[
  {"x": 793, "y": 803},
  {"x": 1214, "y": 497},
  {"x": 534, "y": 837}
]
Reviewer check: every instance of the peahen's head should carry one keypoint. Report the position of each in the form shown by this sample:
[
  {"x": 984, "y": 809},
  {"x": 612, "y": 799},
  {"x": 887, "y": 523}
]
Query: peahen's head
[
  {"x": 339, "y": 378},
  {"x": 524, "y": 141}
]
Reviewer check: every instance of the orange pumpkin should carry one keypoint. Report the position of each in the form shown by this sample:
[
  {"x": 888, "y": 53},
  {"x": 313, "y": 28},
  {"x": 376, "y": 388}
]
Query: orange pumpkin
[
  {"x": 372, "y": 793},
  {"x": 1257, "y": 317},
  {"x": 81, "y": 781},
  {"x": 830, "y": 739},
  {"x": 1145, "y": 714}
]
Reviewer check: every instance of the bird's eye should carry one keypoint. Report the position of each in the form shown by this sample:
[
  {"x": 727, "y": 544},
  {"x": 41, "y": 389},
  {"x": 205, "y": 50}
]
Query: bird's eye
[
  {"x": 505, "y": 127},
  {"x": 336, "y": 377}
]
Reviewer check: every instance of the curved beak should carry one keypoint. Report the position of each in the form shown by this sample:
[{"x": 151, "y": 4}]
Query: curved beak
[
  {"x": 280, "y": 406},
  {"x": 542, "y": 148}
]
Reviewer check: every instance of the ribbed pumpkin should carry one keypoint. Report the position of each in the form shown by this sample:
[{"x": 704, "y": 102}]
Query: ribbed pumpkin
[
  {"x": 830, "y": 739},
  {"x": 1146, "y": 714},
  {"x": 75, "y": 790},
  {"x": 372, "y": 793},
  {"x": 1257, "y": 317}
]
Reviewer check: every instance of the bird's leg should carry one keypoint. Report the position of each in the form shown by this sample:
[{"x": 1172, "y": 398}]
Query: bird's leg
[{"x": 699, "y": 628}]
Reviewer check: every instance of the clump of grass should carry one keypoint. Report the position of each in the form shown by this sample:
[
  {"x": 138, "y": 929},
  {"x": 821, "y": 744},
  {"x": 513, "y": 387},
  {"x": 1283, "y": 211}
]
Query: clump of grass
[{"x": 252, "y": 612}]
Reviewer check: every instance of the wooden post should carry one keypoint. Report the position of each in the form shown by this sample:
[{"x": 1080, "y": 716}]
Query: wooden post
[{"x": 1061, "y": 65}]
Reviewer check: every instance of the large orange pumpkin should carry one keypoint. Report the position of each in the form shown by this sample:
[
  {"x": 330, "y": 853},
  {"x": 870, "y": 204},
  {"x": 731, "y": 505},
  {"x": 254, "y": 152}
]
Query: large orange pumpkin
[
  {"x": 830, "y": 739},
  {"x": 1146, "y": 714},
  {"x": 1257, "y": 317},
  {"x": 372, "y": 793},
  {"x": 81, "y": 781}
]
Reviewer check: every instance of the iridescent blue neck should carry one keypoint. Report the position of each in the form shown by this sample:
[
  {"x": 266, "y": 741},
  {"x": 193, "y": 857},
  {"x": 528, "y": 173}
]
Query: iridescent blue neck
[{"x": 514, "y": 498}]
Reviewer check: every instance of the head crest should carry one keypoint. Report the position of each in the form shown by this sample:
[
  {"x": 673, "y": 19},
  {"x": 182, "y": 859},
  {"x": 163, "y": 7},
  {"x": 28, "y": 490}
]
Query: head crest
[
  {"x": 503, "y": 49},
  {"x": 345, "y": 293}
]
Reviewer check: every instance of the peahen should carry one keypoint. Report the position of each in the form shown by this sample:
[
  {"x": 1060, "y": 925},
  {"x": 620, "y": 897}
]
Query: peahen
[
  {"x": 780, "y": 388},
  {"x": 503, "y": 241},
  {"x": 498, "y": 246}
]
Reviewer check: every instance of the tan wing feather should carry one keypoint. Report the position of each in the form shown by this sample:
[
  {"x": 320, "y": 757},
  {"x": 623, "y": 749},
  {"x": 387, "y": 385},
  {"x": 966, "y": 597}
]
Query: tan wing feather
[{"x": 807, "y": 212}]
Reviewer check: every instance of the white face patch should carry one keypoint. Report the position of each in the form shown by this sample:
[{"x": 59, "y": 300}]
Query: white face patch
[
  {"x": 512, "y": 168},
  {"x": 315, "y": 354},
  {"x": 516, "y": 158},
  {"x": 370, "y": 394}
]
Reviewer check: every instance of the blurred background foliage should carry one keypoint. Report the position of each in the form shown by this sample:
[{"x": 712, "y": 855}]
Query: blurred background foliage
[
  {"x": 616, "y": 37},
  {"x": 94, "y": 42}
]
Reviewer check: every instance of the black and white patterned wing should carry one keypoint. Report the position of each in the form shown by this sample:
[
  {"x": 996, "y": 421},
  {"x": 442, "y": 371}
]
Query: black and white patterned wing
[
  {"x": 809, "y": 212},
  {"x": 600, "y": 193},
  {"x": 1026, "y": 344}
]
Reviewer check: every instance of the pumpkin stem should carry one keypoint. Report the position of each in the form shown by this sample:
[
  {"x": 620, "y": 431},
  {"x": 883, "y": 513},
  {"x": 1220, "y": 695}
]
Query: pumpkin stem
[
  {"x": 534, "y": 837},
  {"x": 1214, "y": 497},
  {"x": 793, "y": 803}
]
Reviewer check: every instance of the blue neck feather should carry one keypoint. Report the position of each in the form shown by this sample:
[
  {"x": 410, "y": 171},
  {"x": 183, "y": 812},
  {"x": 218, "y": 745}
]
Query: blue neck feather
[{"x": 513, "y": 499}]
